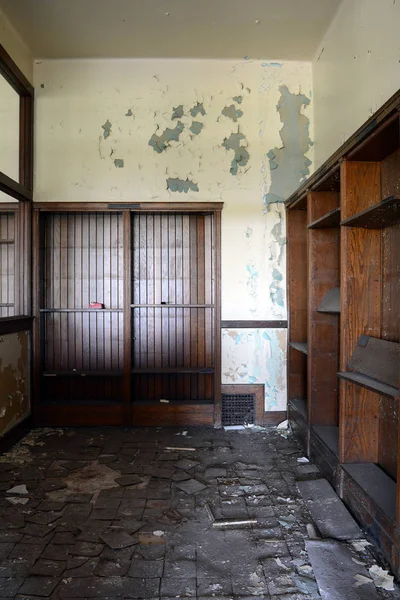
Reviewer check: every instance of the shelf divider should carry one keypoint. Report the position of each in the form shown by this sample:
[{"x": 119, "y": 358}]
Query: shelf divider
[
  {"x": 300, "y": 346},
  {"x": 380, "y": 215},
  {"x": 331, "y": 302},
  {"x": 330, "y": 219}
]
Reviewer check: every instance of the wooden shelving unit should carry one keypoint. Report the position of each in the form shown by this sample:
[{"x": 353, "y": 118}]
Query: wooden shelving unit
[
  {"x": 300, "y": 346},
  {"x": 344, "y": 290}
]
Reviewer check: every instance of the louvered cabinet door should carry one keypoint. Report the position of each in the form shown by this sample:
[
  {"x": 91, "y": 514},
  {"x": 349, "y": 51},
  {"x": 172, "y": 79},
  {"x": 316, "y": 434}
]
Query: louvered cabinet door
[{"x": 173, "y": 308}]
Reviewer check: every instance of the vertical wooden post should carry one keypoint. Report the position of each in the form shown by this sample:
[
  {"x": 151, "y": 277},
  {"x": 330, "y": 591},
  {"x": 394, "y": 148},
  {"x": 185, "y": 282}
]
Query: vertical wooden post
[{"x": 127, "y": 274}]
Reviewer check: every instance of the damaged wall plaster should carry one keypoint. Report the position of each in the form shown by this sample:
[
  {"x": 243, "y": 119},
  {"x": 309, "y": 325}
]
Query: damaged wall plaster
[
  {"x": 176, "y": 145},
  {"x": 289, "y": 164},
  {"x": 232, "y": 112},
  {"x": 14, "y": 380}
]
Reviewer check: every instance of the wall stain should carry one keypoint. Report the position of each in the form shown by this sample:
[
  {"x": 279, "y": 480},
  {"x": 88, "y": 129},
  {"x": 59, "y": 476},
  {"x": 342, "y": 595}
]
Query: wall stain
[
  {"x": 238, "y": 99},
  {"x": 174, "y": 184},
  {"x": 160, "y": 143},
  {"x": 289, "y": 165},
  {"x": 196, "y": 127},
  {"x": 198, "y": 109},
  {"x": 232, "y": 112},
  {"x": 241, "y": 155},
  {"x": 129, "y": 113},
  {"x": 107, "y": 129}
]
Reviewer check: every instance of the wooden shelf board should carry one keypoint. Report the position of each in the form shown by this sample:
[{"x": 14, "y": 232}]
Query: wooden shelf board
[
  {"x": 172, "y": 370},
  {"x": 380, "y": 215},
  {"x": 376, "y": 484},
  {"x": 300, "y": 346},
  {"x": 370, "y": 384},
  {"x": 82, "y": 373},
  {"x": 330, "y": 219},
  {"x": 300, "y": 406},
  {"x": 172, "y": 403},
  {"x": 80, "y": 310},
  {"x": 331, "y": 302},
  {"x": 329, "y": 435}
]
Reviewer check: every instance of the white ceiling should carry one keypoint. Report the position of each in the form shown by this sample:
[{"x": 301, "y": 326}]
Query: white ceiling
[{"x": 277, "y": 29}]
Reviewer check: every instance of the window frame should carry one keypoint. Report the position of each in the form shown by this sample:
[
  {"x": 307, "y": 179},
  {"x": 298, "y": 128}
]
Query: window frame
[{"x": 22, "y": 191}]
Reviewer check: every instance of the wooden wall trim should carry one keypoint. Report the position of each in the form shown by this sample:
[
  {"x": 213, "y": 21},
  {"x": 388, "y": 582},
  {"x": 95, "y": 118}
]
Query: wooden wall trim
[
  {"x": 274, "y": 324},
  {"x": 14, "y": 75},
  {"x": 199, "y": 207},
  {"x": 14, "y": 189},
  {"x": 15, "y": 324}
]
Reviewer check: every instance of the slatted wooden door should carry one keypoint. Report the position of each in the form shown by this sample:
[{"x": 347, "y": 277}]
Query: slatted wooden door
[
  {"x": 173, "y": 308},
  {"x": 81, "y": 347}
]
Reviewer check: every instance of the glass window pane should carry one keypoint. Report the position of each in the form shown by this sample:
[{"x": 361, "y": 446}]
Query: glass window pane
[
  {"x": 9, "y": 127},
  {"x": 8, "y": 219}
]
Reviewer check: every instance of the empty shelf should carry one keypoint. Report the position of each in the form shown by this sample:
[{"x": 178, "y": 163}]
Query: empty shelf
[
  {"x": 370, "y": 384},
  {"x": 329, "y": 435},
  {"x": 82, "y": 373},
  {"x": 300, "y": 346},
  {"x": 300, "y": 406},
  {"x": 377, "y": 484},
  {"x": 331, "y": 219},
  {"x": 172, "y": 370},
  {"x": 380, "y": 215},
  {"x": 331, "y": 302}
]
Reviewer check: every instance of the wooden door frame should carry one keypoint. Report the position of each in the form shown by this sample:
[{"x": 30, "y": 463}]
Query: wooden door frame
[{"x": 121, "y": 414}]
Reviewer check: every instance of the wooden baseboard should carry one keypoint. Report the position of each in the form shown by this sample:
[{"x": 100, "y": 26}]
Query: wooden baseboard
[
  {"x": 86, "y": 415},
  {"x": 262, "y": 417},
  {"x": 15, "y": 434}
]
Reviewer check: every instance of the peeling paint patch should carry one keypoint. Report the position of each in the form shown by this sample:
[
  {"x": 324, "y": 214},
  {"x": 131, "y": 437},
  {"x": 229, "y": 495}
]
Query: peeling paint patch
[
  {"x": 160, "y": 143},
  {"x": 277, "y": 275},
  {"x": 177, "y": 112},
  {"x": 272, "y": 64},
  {"x": 241, "y": 156},
  {"x": 198, "y": 109},
  {"x": 129, "y": 113},
  {"x": 289, "y": 165},
  {"x": 276, "y": 294},
  {"x": 181, "y": 185},
  {"x": 238, "y": 99},
  {"x": 249, "y": 232},
  {"x": 196, "y": 127},
  {"x": 119, "y": 163},
  {"x": 232, "y": 112},
  {"x": 252, "y": 280},
  {"x": 107, "y": 129}
]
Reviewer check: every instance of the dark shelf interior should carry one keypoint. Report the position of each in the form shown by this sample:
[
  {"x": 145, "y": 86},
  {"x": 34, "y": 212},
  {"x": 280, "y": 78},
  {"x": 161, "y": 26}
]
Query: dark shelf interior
[
  {"x": 172, "y": 370},
  {"x": 380, "y": 215},
  {"x": 82, "y": 374},
  {"x": 376, "y": 484},
  {"x": 370, "y": 383},
  {"x": 330, "y": 219},
  {"x": 331, "y": 302},
  {"x": 329, "y": 435},
  {"x": 300, "y": 346},
  {"x": 300, "y": 407}
]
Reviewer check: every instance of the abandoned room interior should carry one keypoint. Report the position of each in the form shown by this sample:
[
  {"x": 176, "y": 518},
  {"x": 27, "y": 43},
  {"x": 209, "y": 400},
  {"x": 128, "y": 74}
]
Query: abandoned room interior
[{"x": 199, "y": 299}]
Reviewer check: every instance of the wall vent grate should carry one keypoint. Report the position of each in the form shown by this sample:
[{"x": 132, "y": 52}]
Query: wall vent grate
[{"x": 238, "y": 409}]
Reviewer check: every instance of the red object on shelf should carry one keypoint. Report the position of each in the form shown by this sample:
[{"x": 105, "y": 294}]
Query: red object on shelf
[{"x": 96, "y": 305}]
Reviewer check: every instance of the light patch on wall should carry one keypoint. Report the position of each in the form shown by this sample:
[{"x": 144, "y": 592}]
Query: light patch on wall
[
  {"x": 289, "y": 164},
  {"x": 257, "y": 356}
]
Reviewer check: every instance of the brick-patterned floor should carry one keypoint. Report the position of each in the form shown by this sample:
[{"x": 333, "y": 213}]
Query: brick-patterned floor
[{"x": 114, "y": 513}]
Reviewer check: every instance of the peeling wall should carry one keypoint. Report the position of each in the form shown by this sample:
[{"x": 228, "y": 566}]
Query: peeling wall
[
  {"x": 194, "y": 130},
  {"x": 14, "y": 380},
  {"x": 355, "y": 70}
]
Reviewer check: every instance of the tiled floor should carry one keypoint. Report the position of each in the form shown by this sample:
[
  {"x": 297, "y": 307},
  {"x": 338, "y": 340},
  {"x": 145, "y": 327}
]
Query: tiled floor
[{"x": 127, "y": 513}]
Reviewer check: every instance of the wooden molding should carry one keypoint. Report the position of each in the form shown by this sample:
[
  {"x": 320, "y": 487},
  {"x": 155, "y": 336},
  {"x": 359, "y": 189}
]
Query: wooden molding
[
  {"x": 185, "y": 207},
  {"x": 13, "y": 75},
  {"x": 278, "y": 324},
  {"x": 15, "y": 324}
]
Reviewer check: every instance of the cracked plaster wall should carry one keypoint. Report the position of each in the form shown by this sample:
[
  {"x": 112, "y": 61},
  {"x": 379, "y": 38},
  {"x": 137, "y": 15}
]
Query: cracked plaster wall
[
  {"x": 355, "y": 70},
  {"x": 14, "y": 380},
  {"x": 189, "y": 130}
]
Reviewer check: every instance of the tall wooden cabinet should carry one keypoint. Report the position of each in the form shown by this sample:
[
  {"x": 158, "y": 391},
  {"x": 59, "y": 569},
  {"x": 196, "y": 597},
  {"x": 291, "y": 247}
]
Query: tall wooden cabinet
[{"x": 343, "y": 228}]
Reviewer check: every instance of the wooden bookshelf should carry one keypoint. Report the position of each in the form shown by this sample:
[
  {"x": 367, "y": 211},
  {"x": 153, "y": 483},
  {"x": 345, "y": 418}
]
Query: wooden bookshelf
[{"x": 348, "y": 416}]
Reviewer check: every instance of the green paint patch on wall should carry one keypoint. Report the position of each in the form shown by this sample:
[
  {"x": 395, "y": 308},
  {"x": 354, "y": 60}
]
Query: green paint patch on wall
[
  {"x": 198, "y": 109},
  {"x": 177, "y": 112},
  {"x": 238, "y": 99},
  {"x": 196, "y": 127},
  {"x": 160, "y": 143},
  {"x": 119, "y": 163},
  {"x": 107, "y": 129},
  {"x": 241, "y": 156},
  {"x": 289, "y": 165},
  {"x": 174, "y": 184},
  {"x": 232, "y": 112}
]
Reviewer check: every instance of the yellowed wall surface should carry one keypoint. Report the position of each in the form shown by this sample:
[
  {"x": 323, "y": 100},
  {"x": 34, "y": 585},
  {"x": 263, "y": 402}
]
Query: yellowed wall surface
[
  {"x": 356, "y": 69},
  {"x": 188, "y": 130},
  {"x": 14, "y": 380},
  {"x": 15, "y": 47}
]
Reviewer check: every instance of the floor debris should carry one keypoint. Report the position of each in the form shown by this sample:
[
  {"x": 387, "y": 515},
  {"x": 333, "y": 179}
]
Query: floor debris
[
  {"x": 18, "y": 489},
  {"x": 233, "y": 523},
  {"x": 381, "y": 578}
]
